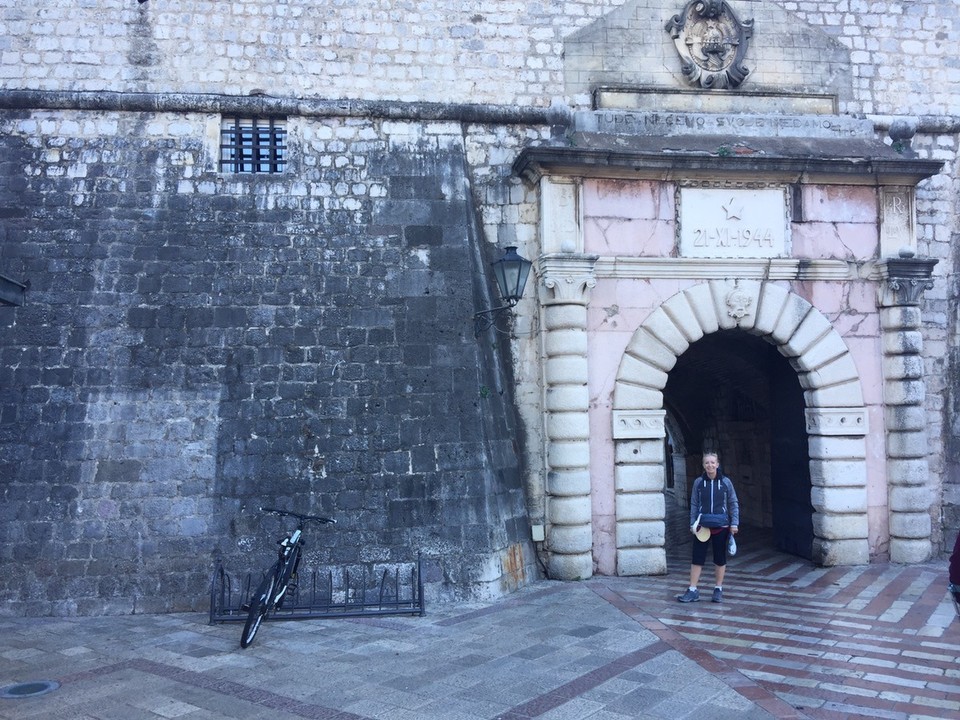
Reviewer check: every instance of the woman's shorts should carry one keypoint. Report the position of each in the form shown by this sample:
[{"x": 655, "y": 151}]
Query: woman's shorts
[{"x": 719, "y": 541}]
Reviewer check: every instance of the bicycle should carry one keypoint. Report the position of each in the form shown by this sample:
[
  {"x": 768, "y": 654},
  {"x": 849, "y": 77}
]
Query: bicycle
[{"x": 282, "y": 576}]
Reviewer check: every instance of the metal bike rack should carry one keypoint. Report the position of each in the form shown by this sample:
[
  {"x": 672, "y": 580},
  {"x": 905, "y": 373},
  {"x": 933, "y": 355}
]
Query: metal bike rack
[{"x": 376, "y": 590}]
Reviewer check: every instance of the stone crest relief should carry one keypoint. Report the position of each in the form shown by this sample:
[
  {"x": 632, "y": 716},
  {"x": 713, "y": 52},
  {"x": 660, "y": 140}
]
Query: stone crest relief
[{"x": 712, "y": 43}]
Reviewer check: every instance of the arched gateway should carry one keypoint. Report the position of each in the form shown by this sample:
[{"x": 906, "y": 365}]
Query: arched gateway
[
  {"x": 836, "y": 416},
  {"x": 644, "y": 249}
]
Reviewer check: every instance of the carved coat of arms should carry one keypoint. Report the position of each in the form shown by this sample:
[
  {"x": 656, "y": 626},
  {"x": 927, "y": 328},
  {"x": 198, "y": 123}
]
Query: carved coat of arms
[{"x": 712, "y": 43}]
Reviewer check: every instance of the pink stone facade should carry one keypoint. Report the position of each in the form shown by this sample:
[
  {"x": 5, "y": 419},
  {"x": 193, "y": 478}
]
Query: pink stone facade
[{"x": 637, "y": 219}]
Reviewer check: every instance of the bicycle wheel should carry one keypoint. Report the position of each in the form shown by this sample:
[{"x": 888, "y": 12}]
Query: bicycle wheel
[{"x": 259, "y": 604}]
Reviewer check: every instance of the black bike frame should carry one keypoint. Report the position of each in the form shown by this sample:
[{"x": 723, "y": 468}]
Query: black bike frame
[{"x": 270, "y": 595}]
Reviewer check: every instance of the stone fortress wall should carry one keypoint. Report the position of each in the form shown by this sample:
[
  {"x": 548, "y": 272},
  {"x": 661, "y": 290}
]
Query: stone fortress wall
[{"x": 104, "y": 99}]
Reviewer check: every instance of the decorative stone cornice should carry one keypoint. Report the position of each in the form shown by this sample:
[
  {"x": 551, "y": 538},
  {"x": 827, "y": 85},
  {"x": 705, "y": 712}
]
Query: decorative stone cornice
[
  {"x": 749, "y": 268},
  {"x": 849, "y": 421},
  {"x": 639, "y": 424},
  {"x": 904, "y": 279},
  {"x": 567, "y": 278}
]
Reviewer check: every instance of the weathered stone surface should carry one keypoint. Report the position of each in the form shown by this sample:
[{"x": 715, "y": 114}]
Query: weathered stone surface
[
  {"x": 835, "y": 448},
  {"x": 567, "y": 398},
  {"x": 566, "y": 340},
  {"x": 680, "y": 310},
  {"x": 641, "y": 561},
  {"x": 639, "y": 372},
  {"x": 907, "y": 444},
  {"x": 570, "y": 567},
  {"x": 904, "y": 392},
  {"x": 842, "y": 501},
  {"x": 909, "y": 551},
  {"x": 639, "y": 506},
  {"x": 195, "y": 344},
  {"x": 645, "y": 345},
  {"x": 566, "y": 369},
  {"x": 911, "y": 499},
  {"x": 840, "y": 527},
  {"x": 825, "y": 350},
  {"x": 907, "y": 525},
  {"x": 570, "y": 510},
  {"x": 841, "y": 552},
  {"x": 569, "y": 539},
  {"x": 663, "y": 327},
  {"x": 639, "y": 478},
  {"x": 848, "y": 394},
  {"x": 644, "y": 451},
  {"x": 202, "y": 344},
  {"x": 904, "y": 418},
  {"x": 838, "y": 473},
  {"x": 569, "y": 454},
  {"x": 640, "y": 534},
  {"x": 568, "y": 426},
  {"x": 813, "y": 327},
  {"x": 634, "y": 396},
  {"x": 838, "y": 371},
  {"x": 908, "y": 471}
]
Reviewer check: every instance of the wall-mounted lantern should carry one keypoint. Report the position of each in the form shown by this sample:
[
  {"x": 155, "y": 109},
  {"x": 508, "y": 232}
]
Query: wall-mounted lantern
[{"x": 511, "y": 273}]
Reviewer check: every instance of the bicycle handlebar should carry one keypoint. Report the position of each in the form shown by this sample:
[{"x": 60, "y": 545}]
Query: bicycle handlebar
[{"x": 315, "y": 518}]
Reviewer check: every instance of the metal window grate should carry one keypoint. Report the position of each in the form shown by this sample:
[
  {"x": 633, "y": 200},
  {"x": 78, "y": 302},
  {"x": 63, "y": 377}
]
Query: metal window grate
[{"x": 252, "y": 145}]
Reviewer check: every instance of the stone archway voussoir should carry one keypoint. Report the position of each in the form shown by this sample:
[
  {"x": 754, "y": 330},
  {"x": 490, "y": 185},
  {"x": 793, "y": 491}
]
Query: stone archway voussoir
[
  {"x": 795, "y": 310},
  {"x": 704, "y": 307},
  {"x": 826, "y": 349},
  {"x": 664, "y": 329},
  {"x": 636, "y": 396},
  {"x": 847, "y": 394},
  {"x": 838, "y": 371},
  {"x": 639, "y": 372},
  {"x": 679, "y": 311},
  {"x": 644, "y": 344},
  {"x": 812, "y": 328},
  {"x": 773, "y": 299}
]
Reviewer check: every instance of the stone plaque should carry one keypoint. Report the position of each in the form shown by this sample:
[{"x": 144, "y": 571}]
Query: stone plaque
[
  {"x": 733, "y": 222},
  {"x": 639, "y": 424}
]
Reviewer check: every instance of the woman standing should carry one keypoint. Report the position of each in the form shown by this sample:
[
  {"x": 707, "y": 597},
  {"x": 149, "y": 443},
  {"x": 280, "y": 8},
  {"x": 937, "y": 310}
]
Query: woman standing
[{"x": 713, "y": 507}]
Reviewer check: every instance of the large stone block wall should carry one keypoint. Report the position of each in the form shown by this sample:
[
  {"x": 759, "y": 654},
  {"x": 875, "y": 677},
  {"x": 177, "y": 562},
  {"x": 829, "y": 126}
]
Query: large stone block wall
[
  {"x": 206, "y": 311},
  {"x": 196, "y": 345},
  {"x": 512, "y": 53}
]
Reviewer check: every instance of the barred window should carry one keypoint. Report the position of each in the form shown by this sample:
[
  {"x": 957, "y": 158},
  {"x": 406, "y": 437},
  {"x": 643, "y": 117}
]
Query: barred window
[{"x": 253, "y": 145}]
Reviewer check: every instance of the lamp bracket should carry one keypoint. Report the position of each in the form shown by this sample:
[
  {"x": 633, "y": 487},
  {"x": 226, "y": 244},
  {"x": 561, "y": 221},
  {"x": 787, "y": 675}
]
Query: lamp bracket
[{"x": 488, "y": 318}]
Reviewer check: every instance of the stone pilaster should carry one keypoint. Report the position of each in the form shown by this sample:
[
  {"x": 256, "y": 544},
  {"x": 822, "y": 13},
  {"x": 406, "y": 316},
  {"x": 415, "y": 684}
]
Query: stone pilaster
[
  {"x": 640, "y": 503},
  {"x": 838, "y": 477},
  {"x": 569, "y": 540},
  {"x": 910, "y": 494}
]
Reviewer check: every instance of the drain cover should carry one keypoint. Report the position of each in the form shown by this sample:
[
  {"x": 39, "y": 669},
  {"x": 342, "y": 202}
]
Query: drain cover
[{"x": 28, "y": 689}]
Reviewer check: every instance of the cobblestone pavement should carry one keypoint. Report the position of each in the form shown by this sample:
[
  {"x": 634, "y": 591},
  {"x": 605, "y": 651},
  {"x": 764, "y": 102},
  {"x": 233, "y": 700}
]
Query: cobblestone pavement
[{"x": 790, "y": 641}]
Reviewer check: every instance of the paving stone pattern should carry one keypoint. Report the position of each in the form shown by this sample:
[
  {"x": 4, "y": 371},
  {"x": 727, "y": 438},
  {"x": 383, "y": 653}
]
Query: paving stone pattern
[{"x": 791, "y": 641}]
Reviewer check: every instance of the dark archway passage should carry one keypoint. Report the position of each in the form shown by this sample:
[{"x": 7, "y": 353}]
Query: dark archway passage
[{"x": 734, "y": 393}]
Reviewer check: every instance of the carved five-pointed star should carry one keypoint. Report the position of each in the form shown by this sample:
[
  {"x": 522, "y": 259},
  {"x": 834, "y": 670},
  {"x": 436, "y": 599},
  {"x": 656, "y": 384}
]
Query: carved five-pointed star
[{"x": 733, "y": 209}]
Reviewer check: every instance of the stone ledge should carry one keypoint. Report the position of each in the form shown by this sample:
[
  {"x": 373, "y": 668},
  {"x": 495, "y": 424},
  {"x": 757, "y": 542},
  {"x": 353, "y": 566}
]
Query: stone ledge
[{"x": 850, "y": 421}]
